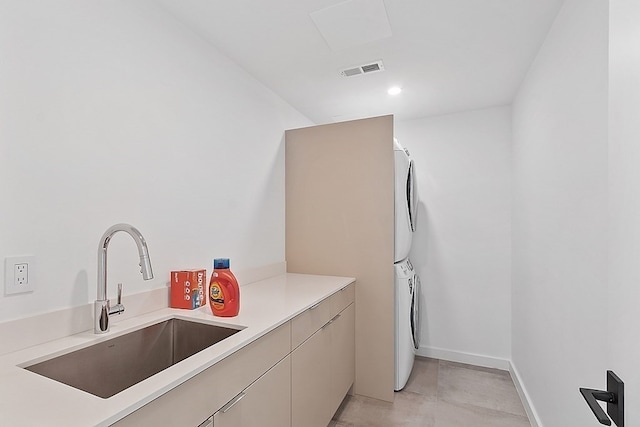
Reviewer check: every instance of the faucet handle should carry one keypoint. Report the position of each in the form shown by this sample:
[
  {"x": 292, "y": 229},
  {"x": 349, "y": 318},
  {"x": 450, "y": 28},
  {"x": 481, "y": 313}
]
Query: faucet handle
[{"x": 118, "y": 308}]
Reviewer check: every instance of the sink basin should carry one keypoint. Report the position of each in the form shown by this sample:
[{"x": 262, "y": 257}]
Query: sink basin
[{"x": 108, "y": 367}]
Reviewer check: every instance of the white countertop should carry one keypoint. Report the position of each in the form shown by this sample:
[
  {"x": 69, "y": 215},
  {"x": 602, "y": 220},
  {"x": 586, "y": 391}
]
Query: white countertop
[{"x": 28, "y": 399}]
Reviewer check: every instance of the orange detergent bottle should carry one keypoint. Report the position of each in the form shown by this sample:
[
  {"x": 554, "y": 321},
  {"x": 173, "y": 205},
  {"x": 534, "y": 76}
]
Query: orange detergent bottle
[{"x": 224, "y": 292}]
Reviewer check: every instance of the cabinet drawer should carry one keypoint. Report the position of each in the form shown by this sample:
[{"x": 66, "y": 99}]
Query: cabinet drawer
[
  {"x": 307, "y": 323},
  {"x": 343, "y": 298}
]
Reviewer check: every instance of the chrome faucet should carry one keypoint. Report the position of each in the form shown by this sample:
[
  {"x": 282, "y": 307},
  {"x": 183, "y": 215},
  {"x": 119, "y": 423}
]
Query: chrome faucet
[{"x": 102, "y": 309}]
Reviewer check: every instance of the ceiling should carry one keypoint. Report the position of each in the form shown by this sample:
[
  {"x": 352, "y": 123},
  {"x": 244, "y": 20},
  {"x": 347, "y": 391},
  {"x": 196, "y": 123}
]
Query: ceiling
[{"x": 447, "y": 55}]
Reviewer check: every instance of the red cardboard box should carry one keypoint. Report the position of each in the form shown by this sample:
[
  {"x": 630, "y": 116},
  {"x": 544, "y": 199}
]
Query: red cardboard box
[{"x": 187, "y": 288}]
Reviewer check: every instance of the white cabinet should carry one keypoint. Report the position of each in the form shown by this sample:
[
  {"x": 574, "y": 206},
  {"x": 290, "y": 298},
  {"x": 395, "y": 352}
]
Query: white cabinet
[
  {"x": 294, "y": 376},
  {"x": 265, "y": 403},
  {"x": 323, "y": 370}
]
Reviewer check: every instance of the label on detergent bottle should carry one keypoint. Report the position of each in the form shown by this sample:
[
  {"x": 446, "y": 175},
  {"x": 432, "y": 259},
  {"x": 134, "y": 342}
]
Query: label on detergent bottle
[{"x": 216, "y": 296}]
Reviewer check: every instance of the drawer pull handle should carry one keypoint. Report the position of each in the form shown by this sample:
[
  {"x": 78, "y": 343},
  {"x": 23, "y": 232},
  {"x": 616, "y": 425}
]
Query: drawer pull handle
[
  {"x": 331, "y": 321},
  {"x": 314, "y": 306},
  {"x": 233, "y": 401}
]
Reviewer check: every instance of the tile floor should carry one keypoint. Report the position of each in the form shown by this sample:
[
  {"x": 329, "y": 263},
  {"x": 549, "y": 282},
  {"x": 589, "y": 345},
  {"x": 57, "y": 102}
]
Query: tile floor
[{"x": 441, "y": 394}]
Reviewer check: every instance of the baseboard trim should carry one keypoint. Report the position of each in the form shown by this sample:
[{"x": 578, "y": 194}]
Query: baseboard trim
[
  {"x": 534, "y": 419},
  {"x": 461, "y": 357}
]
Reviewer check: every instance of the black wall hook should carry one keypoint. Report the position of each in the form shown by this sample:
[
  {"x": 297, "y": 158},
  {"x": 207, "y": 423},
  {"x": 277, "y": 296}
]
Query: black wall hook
[{"x": 614, "y": 396}]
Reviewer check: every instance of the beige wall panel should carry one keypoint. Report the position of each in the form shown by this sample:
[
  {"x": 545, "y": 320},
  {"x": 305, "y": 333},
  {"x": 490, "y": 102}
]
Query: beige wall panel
[{"x": 340, "y": 221}]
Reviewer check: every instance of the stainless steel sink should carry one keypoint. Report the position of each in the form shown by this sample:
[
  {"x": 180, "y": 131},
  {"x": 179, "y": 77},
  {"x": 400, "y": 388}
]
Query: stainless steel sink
[{"x": 108, "y": 367}]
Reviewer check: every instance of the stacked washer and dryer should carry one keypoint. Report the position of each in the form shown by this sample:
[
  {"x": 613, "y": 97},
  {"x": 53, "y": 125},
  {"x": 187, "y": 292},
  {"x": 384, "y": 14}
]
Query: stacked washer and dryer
[{"x": 407, "y": 282}]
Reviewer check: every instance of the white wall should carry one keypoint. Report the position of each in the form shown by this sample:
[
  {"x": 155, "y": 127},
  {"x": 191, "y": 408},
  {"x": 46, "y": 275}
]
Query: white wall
[
  {"x": 624, "y": 201},
  {"x": 559, "y": 217},
  {"x": 114, "y": 112},
  {"x": 461, "y": 248}
]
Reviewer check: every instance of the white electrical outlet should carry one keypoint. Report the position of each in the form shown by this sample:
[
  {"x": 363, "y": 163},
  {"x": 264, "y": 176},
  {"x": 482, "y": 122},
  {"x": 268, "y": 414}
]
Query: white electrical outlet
[{"x": 19, "y": 274}]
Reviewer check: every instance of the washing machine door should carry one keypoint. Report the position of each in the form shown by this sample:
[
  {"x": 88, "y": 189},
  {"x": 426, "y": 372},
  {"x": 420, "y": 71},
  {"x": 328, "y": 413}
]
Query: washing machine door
[{"x": 414, "y": 284}]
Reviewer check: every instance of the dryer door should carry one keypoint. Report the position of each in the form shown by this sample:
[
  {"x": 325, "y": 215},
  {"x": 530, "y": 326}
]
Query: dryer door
[
  {"x": 415, "y": 311},
  {"x": 402, "y": 206}
]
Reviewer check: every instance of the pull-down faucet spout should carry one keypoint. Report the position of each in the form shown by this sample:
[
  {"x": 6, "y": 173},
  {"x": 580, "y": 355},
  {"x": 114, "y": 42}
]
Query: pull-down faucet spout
[{"x": 102, "y": 308}]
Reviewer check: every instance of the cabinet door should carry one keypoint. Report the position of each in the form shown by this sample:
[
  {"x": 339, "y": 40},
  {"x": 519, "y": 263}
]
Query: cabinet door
[
  {"x": 311, "y": 381},
  {"x": 343, "y": 355},
  {"x": 265, "y": 403}
]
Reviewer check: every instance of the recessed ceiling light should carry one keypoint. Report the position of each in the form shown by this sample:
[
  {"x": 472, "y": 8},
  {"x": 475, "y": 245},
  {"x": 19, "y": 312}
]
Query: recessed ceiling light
[{"x": 394, "y": 90}]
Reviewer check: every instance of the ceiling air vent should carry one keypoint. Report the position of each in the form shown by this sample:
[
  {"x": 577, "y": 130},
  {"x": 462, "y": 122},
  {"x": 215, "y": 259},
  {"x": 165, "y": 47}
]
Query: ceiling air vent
[{"x": 363, "y": 69}]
